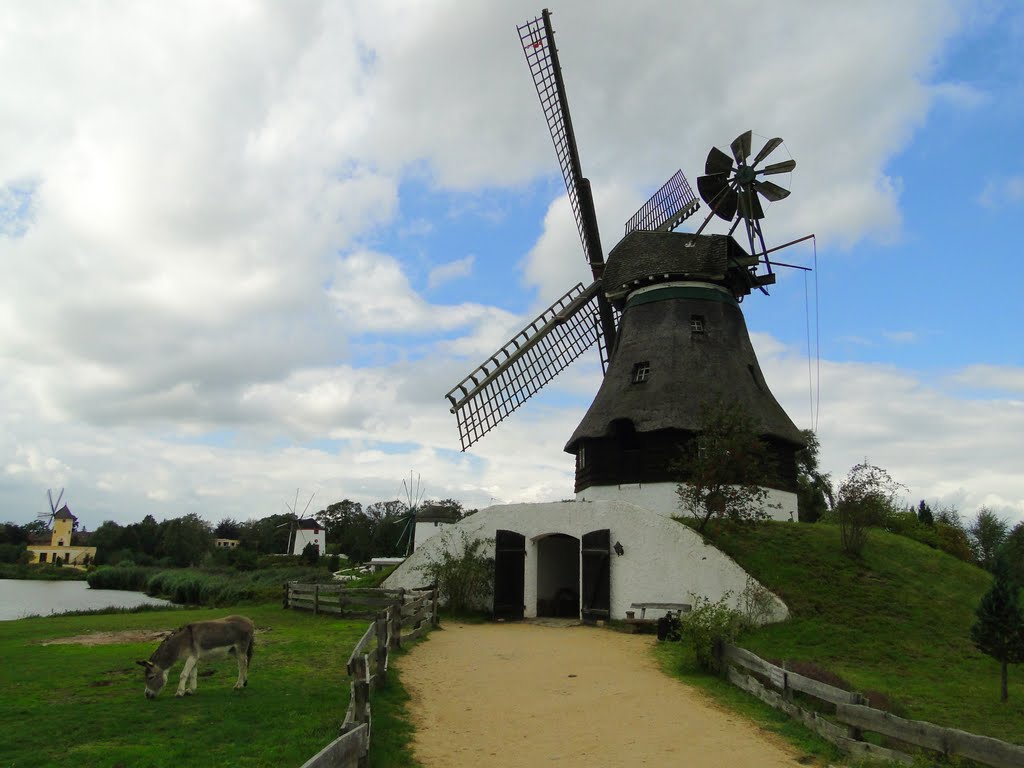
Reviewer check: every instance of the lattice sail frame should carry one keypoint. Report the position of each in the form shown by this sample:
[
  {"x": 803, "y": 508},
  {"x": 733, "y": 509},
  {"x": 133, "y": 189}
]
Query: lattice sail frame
[
  {"x": 534, "y": 356},
  {"x": 537, "y": 39},
  {"x": 669, "y": 207}
]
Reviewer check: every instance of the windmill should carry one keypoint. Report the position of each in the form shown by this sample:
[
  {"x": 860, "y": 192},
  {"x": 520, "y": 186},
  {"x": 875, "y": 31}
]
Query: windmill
[
  {"x": 47, "y": 517},
  {"x": 293, "y": 521},
  {"x": 663, "y": 310},
  {"x": 413, "y": 492}
]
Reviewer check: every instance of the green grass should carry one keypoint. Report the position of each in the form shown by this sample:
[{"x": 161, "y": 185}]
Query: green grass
[
  {"x": 84, "y": 705},
  {"x": 37, "y": 572},
  {"x": 895, "y": 621},
  {"x": 391, "y": 745},
  {"x": 206, "y": 586}
]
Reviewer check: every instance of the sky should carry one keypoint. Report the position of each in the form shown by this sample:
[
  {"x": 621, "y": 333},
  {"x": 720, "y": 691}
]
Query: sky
[{"x": 247, "y": 247}]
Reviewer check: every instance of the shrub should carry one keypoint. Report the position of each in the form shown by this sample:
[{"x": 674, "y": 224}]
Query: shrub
[
  {"x": 709, "y": 625},
  {"x": 310, "y": 554},
  {"x": 867, "y": 497},
  {"x": 464, "y": 575}
]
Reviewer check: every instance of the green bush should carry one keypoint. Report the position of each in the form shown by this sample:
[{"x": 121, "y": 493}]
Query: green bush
[
  {"x": 133, "y": 578},
  {"x": 464, "y": 575},
  {"x": 709, "y": 625},
  {"x": 11, "y": 553}
]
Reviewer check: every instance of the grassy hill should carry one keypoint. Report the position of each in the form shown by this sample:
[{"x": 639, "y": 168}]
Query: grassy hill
[{"x": 895, "y": 621}]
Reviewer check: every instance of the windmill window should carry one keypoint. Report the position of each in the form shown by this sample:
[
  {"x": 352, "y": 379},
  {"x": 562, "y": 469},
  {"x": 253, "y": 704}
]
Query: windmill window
[
  {"x": 697, "y": 323},
  {"x": 641, "y": 372},
  {"x": 581, "y": 456}
]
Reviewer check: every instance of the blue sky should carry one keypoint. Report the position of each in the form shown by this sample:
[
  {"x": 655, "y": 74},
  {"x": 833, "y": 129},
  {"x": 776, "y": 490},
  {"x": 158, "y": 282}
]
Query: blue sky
[{"x": 251, "y": 252}]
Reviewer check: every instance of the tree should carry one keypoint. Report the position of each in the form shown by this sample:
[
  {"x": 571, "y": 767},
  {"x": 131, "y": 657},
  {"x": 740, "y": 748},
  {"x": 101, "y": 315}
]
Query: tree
[
  {"x": 924, "y": 514},
  {"x": 1012, "y": 555},
  {"x": 186, "y": 539},
  {"x": 227, "y": 528},
  {"x": 450, "y": 506},
  {"x": 866, "y": 497},
  {"x": 107, "y": 540},
  {"x": 814, "y": 489},
  {"x": 339, "y": 516},
  {"x": 987, "y": 532},
  {"x": 999, "y": 629},
  {"x": 310, "y": 554},
  {"x": 726, "y": 466}
]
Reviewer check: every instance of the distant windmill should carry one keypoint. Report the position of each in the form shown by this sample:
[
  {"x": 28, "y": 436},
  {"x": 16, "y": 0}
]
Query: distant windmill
[
  {"x": 47, "y": 517},
  {"x": 413, "y": 491},
  {"x": 293, "y": 523}
]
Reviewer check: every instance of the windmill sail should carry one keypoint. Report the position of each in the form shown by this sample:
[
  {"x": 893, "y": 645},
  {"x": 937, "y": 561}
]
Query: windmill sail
[
  {"x": 538, "y": 40},
  {"x": 534, "y": 356},
  {"x": 669, "y": 207}
]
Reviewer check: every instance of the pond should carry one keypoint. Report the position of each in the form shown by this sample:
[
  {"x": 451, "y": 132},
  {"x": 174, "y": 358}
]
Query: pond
[{"x": 20, "y": 598}]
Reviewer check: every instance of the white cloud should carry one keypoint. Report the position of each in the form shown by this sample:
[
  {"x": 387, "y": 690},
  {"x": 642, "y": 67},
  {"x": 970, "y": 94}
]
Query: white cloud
[
  {"x": 200, "y": 242},
  {"x": 1003, "y": 378},
  {"x": 1002, "y": 192},
  {"x": 960, "y": 95},
  {"x": 452, "y": 270},
  {"x": 371, "y": 293},
  {"x": 900, "y": 337}
]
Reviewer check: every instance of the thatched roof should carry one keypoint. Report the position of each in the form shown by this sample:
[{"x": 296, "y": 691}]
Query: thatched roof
[
  {"x": 644, "y": 257},
  {"x": 687, "y": 369}
]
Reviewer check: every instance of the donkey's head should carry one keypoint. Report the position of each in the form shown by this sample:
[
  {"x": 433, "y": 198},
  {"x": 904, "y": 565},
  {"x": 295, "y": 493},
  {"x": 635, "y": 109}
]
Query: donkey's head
[{"x": 156, "y": 678}]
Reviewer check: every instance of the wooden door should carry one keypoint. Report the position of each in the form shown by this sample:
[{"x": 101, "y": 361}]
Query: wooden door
[
  {"x": 509, "y": 575},
  {"x": 595, "y": 554}
]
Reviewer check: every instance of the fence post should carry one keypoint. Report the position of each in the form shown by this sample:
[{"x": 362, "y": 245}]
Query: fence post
[
  {"x": 434, "y": 619},
  {"x": 362, "y": 689},
  {"x": 316, "y": 598},
  {"x": 382, "y": 648},
  {"x": 852, "y": 731},
  {"x": 285, "y": 597}
]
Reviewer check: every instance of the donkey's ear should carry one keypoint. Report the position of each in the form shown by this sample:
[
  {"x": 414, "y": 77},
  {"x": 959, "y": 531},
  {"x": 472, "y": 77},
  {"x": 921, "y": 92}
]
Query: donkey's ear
[{"x": 142, "y": 663}]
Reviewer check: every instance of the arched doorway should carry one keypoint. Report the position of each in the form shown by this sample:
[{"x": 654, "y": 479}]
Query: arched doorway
[{"x": 558, "y": 576}]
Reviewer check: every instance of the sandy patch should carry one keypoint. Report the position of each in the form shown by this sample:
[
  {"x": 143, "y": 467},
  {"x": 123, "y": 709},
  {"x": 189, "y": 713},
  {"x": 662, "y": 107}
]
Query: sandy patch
[
  {"x": 112, "y": 638},
  {"x": 523, "y": 694}
]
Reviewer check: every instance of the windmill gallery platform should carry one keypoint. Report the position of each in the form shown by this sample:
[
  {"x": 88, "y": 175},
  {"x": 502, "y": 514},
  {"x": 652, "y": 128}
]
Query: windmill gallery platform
[{"x": 588, "y": 559}]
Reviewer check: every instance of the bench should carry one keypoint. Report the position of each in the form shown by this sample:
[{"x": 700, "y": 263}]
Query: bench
[{"x": 643, "y": 623}]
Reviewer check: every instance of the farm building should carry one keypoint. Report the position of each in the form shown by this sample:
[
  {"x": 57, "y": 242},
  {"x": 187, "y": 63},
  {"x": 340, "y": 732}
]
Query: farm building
[{"x": 595, "y": 560}]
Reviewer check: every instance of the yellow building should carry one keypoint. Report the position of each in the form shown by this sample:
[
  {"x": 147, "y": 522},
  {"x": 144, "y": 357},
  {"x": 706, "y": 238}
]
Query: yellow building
[{"x": 60, "y": 548}]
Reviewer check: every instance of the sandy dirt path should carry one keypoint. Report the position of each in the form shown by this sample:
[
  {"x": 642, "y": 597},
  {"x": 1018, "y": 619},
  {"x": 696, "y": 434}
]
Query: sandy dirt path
[{"x": 528, "y": 694}]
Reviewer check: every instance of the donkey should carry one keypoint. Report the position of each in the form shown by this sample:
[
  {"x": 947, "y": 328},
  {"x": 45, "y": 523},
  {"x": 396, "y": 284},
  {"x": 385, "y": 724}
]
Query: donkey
[{"x": 195, "y": 641}]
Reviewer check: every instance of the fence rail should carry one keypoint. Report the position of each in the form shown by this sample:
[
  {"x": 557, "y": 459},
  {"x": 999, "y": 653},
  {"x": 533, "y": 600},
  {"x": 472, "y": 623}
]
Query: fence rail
[
  {"x": 368, "y": 664},
  {"x": 775, "y": 686}
]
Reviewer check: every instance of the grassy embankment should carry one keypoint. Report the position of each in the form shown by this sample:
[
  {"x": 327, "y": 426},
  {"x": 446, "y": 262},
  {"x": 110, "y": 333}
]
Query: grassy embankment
[
  {"x": 83, "y": 704},
  {"x": 36, "y": 572},
  {"x": 206, "y": 586},
  {"x": 895, "y": 622}
]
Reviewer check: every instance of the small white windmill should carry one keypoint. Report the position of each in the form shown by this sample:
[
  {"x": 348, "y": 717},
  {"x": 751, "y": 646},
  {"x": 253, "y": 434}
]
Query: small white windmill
[
  {"x": 413, "y": 491},
  {"x": 293, "y": 523}
]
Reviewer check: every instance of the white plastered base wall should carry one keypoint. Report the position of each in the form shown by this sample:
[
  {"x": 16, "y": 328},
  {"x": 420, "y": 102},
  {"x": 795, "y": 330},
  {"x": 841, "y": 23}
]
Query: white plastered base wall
[
  {"x": 662, "y": 560},
  {"x": 662, "y": 498}
]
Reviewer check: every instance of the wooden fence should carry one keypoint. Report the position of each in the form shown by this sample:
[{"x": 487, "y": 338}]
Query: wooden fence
[
  {"x": 368, "y": 664},
  {"x": 776, "y": 686}
]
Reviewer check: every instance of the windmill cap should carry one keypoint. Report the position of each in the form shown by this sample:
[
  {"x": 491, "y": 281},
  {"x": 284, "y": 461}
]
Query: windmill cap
[
  {"x": 64, "y": 514},
  {"x": 644, "y": 257}
]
